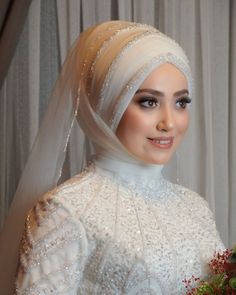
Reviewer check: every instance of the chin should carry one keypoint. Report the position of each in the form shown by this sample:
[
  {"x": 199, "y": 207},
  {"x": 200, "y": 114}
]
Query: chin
[{"x": 157, "y": 161}]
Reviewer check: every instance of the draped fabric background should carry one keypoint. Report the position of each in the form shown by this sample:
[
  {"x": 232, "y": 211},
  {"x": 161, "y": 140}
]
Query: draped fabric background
[{"x": 206, "y": 29}]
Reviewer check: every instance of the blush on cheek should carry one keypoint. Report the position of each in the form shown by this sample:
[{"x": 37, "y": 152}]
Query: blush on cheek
[
  {"x": 129, "y": 128},
  {"x": 182, "y": 123},
  {"x": 126, "y": 122}
]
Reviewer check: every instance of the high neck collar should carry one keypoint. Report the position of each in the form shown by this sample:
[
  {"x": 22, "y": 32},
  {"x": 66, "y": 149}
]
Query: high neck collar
[
  {"x": 139, "y": 176},
  {"x": 137, "y": 169}
]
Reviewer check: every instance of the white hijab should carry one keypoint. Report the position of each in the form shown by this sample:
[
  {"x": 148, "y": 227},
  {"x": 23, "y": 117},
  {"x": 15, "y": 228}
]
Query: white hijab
[{"x": 101, "y": 74}]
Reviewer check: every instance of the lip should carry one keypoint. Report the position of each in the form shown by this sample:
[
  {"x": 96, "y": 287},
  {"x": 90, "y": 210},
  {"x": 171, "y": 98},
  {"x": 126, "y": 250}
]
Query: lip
[{"x": 162, "y": 142}]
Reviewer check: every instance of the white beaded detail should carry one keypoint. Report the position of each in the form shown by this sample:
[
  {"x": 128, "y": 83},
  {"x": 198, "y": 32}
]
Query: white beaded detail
[
  {"x": 113, "y": 65},
  {"x": 139, "y": 239},
  {"x": 120, "y": 30}
]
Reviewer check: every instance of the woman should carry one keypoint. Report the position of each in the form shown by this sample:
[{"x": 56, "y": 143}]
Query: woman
[{"x": 118, "y": 227}]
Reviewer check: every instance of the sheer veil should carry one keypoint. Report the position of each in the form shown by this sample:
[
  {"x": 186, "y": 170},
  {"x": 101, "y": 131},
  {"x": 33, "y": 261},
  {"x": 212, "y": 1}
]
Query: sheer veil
[{"x": 101, "y": 73}]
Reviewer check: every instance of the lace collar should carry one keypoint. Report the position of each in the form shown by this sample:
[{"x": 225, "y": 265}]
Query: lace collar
[{"x": 139, "y": 177}]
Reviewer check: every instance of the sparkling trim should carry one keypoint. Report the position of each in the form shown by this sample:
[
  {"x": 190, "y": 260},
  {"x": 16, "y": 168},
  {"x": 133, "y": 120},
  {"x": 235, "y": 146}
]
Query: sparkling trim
[
  {"x": 71, "y": 278},
  {"x": 107, "y": 79},
  {"x": 112, "y": 37}
]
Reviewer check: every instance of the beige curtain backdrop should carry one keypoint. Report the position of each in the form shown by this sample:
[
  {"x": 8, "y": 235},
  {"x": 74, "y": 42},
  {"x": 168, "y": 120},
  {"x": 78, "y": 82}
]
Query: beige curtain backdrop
[{"x": 206, "y": 161}]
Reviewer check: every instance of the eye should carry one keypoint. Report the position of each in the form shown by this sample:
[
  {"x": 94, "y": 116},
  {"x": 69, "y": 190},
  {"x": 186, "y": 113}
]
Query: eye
[
  {"x": 149, "y": 102},
  {"x": 183, "y": 102}
]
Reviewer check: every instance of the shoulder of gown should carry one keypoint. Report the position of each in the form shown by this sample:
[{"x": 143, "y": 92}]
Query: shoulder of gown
[
  {"x": 53, "y": 247},
  {"x": 200, "y": 211}
]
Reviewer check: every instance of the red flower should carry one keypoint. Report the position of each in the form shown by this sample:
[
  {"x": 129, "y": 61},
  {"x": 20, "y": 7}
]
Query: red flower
[{"x": 221, "y": 281}]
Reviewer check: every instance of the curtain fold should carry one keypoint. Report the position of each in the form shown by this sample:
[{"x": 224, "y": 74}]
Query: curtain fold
[
  {"x": 232, "y": 124},
  {"x": 215, "y": 77},
  {"x": 203, "y": 28},
  {"x": 3, "y": 12},
  {"x": 206, "y": 29},
  {"x": 12, "y": 17}
]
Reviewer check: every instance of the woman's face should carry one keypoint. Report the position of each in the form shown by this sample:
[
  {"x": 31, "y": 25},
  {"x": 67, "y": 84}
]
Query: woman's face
[{"x": 157, "y": 117}]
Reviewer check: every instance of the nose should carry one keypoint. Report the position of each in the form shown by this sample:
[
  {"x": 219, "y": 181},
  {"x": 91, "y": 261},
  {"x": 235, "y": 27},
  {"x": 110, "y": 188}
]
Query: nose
[{"x": 166, "y": 121}]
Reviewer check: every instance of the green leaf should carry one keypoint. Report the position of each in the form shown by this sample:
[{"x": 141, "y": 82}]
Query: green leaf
[
  {"x": 232, "y": 283},
  {"x": 205, "y": 288},
  {"x": 218, "y": 280}
]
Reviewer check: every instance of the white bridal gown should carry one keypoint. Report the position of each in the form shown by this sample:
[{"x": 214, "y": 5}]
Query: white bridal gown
[{"x": 116, "y": 228}]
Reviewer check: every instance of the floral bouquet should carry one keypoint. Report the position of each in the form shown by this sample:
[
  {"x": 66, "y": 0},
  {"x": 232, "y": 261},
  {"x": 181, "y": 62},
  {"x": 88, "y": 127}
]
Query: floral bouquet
[{"x": 222, "y": 278}]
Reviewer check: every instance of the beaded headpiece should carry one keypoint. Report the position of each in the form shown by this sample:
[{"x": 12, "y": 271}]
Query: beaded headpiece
[{"x": 114, "y": 58}]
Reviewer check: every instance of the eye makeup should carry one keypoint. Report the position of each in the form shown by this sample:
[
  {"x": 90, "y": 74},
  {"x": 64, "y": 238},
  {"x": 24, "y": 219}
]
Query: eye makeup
[
  {"x": 183, "y": 102},
  {"x": 148, "y": 102}
]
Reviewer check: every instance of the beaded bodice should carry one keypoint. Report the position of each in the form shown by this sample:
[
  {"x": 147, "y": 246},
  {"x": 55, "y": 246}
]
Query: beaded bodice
[{"x": 107, "y": 232}]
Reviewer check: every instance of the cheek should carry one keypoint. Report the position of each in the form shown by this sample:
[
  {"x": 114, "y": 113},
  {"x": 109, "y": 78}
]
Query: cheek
[
  {"x": 183, "y": 123},
  {"x": 132, "y": 123}
]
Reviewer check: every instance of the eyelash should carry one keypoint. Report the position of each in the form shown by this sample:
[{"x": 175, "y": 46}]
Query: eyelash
[
  {"x": 183, "y": 102},
  {"x": 151, "y": 102}
]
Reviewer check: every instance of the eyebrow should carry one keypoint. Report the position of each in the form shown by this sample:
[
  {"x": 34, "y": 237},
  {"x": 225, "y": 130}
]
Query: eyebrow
[{"x": 159, "y": 93}]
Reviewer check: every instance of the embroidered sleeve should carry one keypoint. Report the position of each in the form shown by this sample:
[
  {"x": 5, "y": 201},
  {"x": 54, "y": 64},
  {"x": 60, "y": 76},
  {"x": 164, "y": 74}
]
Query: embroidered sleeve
[{"x": 53, "y": 251}]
